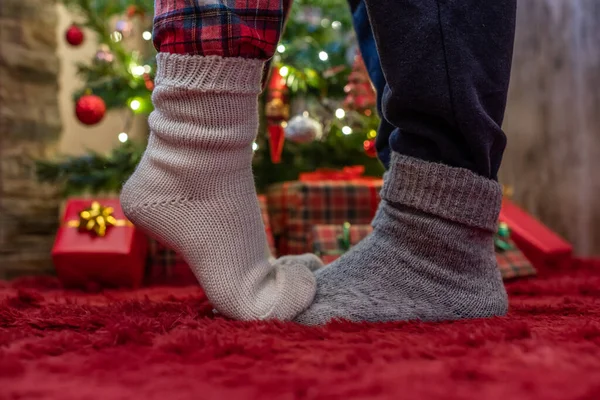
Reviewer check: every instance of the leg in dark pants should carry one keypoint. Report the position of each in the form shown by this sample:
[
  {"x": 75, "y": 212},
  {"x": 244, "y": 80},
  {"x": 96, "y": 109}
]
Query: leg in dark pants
[
  {"x": 368, "y": 50},
  {"x": 441, "y": 72},
  {"x": 445, "y": 67}
]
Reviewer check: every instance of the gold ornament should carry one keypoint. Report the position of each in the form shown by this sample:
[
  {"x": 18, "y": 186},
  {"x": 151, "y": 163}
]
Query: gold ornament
[
  {"x": 97, "y": 219},
  {"x": 277, "y": 109}
]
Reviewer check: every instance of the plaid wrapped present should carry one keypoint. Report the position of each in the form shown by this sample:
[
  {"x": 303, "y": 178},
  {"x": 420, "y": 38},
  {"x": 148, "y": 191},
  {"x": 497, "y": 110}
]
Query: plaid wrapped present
[
  {"x": 295, "y": 207},
  {"x": 331, "y": 241},
  {"x": 511, "y": 260},
  {"x": 166, "y": 267}
]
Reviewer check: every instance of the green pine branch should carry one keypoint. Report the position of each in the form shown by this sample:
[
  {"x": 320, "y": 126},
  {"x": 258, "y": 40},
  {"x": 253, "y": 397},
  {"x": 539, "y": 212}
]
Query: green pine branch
[
  {"x": 113, "y": 81},
  {"x": 92, "y": 173}
]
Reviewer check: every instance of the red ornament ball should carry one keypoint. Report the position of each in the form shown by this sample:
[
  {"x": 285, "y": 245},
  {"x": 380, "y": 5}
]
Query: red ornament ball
[
  {"x": 369, "y": 146},
  {"x": 148, "y": 82},
  {"x": 74, "y": 35},
  {"x": 90, "y": 109},
  {"x": 133, "y": 10}
]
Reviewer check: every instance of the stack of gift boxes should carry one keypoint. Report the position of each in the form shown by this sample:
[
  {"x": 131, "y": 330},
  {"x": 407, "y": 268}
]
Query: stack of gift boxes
[{"x": 325, "y": 212}]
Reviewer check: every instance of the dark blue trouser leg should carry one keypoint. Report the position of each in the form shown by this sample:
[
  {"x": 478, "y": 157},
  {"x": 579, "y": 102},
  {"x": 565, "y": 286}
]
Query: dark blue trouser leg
[
  {"x": 446, "y": 68},
  {"x": 366, "y": 43}
]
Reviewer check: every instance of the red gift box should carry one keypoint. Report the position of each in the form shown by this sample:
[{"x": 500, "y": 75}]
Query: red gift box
[
  {"x": 352, "y": 173},
  {"x": 165, "y": 267},
  {"x": 86, "y": 259},
  {"x": 544, "y": 248},
  {"x": 295, "y": 207}
]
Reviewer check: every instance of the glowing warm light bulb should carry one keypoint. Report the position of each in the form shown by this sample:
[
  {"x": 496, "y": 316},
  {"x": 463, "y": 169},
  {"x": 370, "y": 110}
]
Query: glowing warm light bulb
[
  {"x": 340, "y": 113},
  {"x": 323, "y": 56},
  {"x": 254, "y": 146},
  {"x": 147, "y": 35},
  {"x": 123, "y": 137},
  {"x": 135, "y": 105},
  {"x": 346, "y": 130},
  {"x": 138, "y": 70},
  {"x": 281, "y": 48},
  {"x": 284, "y": 71}
]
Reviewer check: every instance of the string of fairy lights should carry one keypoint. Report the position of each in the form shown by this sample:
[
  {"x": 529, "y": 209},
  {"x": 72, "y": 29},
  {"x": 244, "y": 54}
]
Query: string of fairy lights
[
  {"x": 135, "y": 104},
  {"x": 137, "y": 71},
  {"x": 340, "y": 113}
]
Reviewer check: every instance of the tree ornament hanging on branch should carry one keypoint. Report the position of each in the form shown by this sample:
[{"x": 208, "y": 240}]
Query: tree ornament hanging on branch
[
  {"x": 74, "y": 35},
  {"x": 104, "y": 55},
  {"x": 369, "y": 146},
  {"x": 303, "y": 129},
  {"x": 360, "y": 95},
  {"x": 148, "y": 82},
  {"x": 124, "y": 27},
  {"x": 133, "y": 11},
  {"x": 277, "y": 112},
  {"x": 90, "y": 109}
]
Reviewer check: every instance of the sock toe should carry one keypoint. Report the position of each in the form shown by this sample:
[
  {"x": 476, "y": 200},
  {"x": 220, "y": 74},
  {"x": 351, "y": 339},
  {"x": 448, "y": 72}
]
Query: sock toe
[
  {"x": 310, "y": 261},
  {"x": 296, "y": 288}
]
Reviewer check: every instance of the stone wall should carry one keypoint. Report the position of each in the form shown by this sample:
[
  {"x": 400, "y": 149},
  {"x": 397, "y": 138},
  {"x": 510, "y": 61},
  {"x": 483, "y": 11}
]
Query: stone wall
[
  {"x": 29, "y": 129},
  {"x": 553, "y": 118}
]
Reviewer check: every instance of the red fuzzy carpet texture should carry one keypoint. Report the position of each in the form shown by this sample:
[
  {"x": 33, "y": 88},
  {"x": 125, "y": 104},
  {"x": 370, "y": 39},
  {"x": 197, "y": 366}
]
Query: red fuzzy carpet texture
[{"x": 165, "y": 343}]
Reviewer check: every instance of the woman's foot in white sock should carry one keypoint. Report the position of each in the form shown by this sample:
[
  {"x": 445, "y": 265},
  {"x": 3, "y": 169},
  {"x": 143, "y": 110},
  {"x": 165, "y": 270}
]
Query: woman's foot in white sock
[{"x": 194, "y": 188}]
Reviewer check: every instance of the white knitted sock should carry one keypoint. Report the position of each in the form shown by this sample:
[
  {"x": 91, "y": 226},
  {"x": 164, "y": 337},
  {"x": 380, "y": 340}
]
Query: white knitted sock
[{"x": 194, "y": 188}]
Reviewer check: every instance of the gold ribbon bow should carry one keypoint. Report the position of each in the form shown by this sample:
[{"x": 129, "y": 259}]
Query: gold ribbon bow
[{"x": 97, "y": 219}]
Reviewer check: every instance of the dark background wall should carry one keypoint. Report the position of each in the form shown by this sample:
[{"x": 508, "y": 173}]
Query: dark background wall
[{"x": 553, "y": 118}]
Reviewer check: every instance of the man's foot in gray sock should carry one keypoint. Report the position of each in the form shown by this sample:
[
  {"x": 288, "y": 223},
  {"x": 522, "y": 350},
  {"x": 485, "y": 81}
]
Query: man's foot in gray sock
[{"x": 430, "y": 256}]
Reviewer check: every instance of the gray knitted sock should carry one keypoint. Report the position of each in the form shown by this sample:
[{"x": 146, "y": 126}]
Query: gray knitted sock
[
  {"x": 194, "y": 188},
  {"x": 430, "y": 256}
]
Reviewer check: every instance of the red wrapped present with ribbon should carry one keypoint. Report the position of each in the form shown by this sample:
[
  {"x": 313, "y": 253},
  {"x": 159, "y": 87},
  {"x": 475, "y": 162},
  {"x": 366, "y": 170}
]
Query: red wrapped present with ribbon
[
  {"x": 352, "y": 173},
  {"x": 318, "y": 198},
  {"x": 96, "y": 246},
  {"x": 544, "y": 248}
]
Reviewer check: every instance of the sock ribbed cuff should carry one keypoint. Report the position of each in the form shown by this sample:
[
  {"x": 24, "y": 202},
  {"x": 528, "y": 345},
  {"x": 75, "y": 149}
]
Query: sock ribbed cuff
[
  {"x": 210, "y": 73},
  {"x": 456, "y": 194}
]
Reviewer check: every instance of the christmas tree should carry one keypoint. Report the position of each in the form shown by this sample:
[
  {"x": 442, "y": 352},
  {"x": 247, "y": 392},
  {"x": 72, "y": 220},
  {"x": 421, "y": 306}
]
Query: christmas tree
[
  {"x": 117, "y": 76},
  {"x": 319, "y": 106}
]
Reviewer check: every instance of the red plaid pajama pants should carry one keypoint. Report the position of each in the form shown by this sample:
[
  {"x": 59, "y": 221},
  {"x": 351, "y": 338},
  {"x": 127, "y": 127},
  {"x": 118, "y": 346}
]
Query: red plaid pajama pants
[{"x": 226, "y": 28}]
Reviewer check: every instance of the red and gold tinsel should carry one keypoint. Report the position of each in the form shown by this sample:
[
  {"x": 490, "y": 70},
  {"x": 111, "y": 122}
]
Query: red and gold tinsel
[
  {"x": 369, "y": 146},
  {"x": 360, "y": 93},
  {"x": 277, "y": 113}
]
